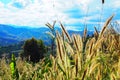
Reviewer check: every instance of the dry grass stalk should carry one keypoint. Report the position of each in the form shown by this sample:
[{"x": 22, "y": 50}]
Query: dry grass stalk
[
  {"x": 89, "y": 42},
  {"x": 80, "y": 43},
  {"x": 69, "y": 49},
  {"x": 63, "y": 35},
  {"x": 85, "y": 34},
  {"x": 59, "y": 48},
  {"x": 93, "y": 67},
  {"x": 103, "y": 1},
  {"x": 98, "y": 43},
  {"x": 98, "y": 77},
  {"x": 116, "y": 39},
  {"x": 51, "y": 35},
  {"x": 118, "y": 67},
  {"x": 96, "y": 34},
  {"x": 65, "y": 32},
  {"x": 49, "y": 25},
  {"x": 105, "y": 26},
  {"x": 76, "y": 64},
  {"x": 95, "y": 47},
  {"x": 58, "y": 35},
  {"x": 84, "y": 74},
  {"x": 75, "y": 42},
  {"x": 113, "y": 77},
  {"x": 91, "y": 47}
]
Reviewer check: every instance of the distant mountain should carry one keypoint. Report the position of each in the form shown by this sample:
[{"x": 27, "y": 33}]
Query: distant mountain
[
  {"x": 90, "y": 33},
  {"x": 7, "y": 41},
  {"x": 10, "y": 34},
  {"x": 22, "y": 33},
  {"x": 13, "y": 34}
]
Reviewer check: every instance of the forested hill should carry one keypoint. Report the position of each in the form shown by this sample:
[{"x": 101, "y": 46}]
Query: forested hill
[{"x": 15, "y": 34}]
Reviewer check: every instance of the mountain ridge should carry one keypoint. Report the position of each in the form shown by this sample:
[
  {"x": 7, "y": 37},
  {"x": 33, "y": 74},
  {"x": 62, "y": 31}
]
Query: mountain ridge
[{"x": 10, "y": 33}]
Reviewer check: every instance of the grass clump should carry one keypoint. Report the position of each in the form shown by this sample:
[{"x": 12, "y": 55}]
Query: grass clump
[{"x": 100, "y": 59}]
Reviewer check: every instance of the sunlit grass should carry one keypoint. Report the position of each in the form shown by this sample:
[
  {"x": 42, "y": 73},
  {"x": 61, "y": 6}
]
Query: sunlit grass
[{"x": 77, "y": 58}]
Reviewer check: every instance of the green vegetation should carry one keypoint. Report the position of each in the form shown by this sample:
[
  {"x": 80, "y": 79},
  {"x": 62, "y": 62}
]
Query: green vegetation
[
  {"x": 33, "y": 50},
  {"x": 13, "y": 67},
  {"x": 6, "y": 51},
  {"x": 10, "y": 48},
  {"x": 97, "y": 58}
]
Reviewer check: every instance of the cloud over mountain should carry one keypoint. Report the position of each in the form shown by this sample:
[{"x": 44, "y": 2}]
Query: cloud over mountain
[{"x": 71, "y": 13}]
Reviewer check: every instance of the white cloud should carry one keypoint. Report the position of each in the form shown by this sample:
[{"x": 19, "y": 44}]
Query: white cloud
[
  {"x": 33, "y": 15},
  {"x": 115, "y": 4},
  {"x": 74, "y": 28},
  {"x": 39, "y": 12},
  {"x": 1, "y": 5},
  {"x": 118, "y": 21}
]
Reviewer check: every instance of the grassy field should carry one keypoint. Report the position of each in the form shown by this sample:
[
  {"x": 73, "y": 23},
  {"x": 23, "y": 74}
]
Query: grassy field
[{"x": 77, "y": 58}]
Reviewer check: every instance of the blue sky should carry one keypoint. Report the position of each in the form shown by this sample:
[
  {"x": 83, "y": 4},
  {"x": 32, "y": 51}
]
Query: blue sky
[{"x": 74, "y": 14}]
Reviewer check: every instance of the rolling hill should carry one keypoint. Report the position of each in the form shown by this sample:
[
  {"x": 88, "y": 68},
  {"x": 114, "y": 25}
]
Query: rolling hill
[
  {"x": 15, "y": 34},
  {"x": 11, "y": 34}
]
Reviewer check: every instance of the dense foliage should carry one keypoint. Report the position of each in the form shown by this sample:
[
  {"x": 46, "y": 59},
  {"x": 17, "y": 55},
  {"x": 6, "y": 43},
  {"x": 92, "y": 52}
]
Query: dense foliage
[
  {"x": 33, "y": 50},
  {"x": 15, "y": 48}
]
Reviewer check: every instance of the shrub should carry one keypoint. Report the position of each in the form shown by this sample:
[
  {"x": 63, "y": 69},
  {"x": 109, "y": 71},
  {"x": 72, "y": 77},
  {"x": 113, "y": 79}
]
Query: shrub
[{"x": 33, "y": 50}]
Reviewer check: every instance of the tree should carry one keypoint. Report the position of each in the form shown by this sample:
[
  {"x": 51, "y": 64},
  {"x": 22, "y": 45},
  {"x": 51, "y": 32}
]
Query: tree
[{"x": 33, "y": 50}]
